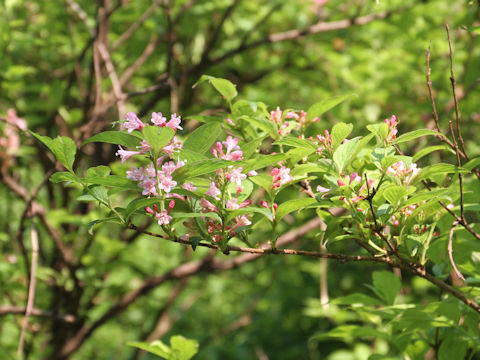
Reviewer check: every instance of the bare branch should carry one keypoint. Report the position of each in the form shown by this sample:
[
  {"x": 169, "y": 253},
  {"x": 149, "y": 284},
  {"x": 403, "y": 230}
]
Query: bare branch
[
  {"x": 31, "y": 290},
  {"x": 20, "y": 310},
  {"x": 450, "y": 252},
  {"x": 149, "y": 49},
  {"x": 134, "y": 27}
]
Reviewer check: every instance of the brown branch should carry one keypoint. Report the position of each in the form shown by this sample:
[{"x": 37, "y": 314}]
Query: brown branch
[
  {"x": 147, "y": 52},
  {"x": 31, "y": 290},
  {"x": 453, "y": 81},
  {"x": 135, "y": 26},
  {"x": 450, "y": 252},
  {"x": 457, "y": 122},
  {"x": 20, "y": 310},
  {"x": 296, "y": 33},
  {"x": 430, "y": 92}
]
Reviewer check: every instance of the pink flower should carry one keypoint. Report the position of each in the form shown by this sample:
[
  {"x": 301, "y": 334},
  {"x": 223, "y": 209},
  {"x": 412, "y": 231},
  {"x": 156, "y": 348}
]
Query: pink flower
[
  {"x": 144, "y": 146},
  {"x": 159, "y": 119},
  {"x": 166, "y": 182},
  {"x": 133, "y": 123},
  {"x": 280, "y": 176},
  {"x": 236, "y": 176},
  {"x": 13, "y": 119},
  {"x": 125, "y": 154},
  {"x": 189, "y": 186},
  {"x": 392, "y": 128},
  {"x": 232, "y": 204},
  {"x": 231, "y": 144},
  {"x": 232, "y": 150},
  {"x": 242, "y": 220},
  {"x": 322, "y": 189},
  {"x": 252, "y": 173},
  {"x": 163, "y": 218},
  {"x": 354, "y": 177},
  {"x": 292, "y": 115},
  {"x": 213, "y": 191},
  {"x": 135, "y": 174},
  {"x": 174, "y": 122},
  {"x": 400, "y": 170},
  {"x": 276, "y": 115},
  {"x": 207, "y": 205},
  {"x": 149, "y": 186}
]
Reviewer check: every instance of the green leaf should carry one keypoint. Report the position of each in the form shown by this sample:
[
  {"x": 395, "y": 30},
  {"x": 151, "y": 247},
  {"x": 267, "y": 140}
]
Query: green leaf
[
  {"x": 92, "y": 224},
  {"x": 242, "y": 108},
  {"x": 138, "y": 203},
  {"x": 394, "y": 194},
  {"x": 191, "y": 156},
  {"x": 340, "y": 132},
  {"x": 202, "y": 138},
  {"x": 323, "y": 106},
  {"x": 344, "y": 153},
  {"x": 202, "y": 167},
  {"x": 99, "y": 193},
  {"x": 415, "y": 134},
  {"x": 296, "y": 143},
  {"x": 429, "y": 150},
  {"x": 380, "y": 130},
  {"x": 184, "y": 349},
  {"x": 182, "y": 215},
  {"x": 114, "y": 137},
  {"x": 292, "y": 205},
  {"x": 251, "y": 147},
  {"x": 158, "y": 137},
  {"x": 452, "y": 347},
  {"x": 248, "y": 210},
  {"x": 98, "y": 171},
  {"x": 263, "y": 124},
  {"x": 387, "y": 285},
  {"x": 157, "y": 347},
  {"x": 62, "y": 147},
  {"x": 113, "y": 181},
  {"x": 223, "y": 86},
  {"x": 472, "y": 164},
  {"x": 264, "y": 181},
  {"x": 436, "y": 169},
  {"x": 65, "y": 176},
  {"x": 263, "y": 161},
  {"x": 357, "y": 298}
]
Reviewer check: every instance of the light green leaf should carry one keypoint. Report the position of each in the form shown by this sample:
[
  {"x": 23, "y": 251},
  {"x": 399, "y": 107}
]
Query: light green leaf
[
  {"x": 387, "y": 285},
  {"x": 264, "y": 181},
  {"x": 296, "y": 143},
  {"x": 344, "y": 153},
  {"x": 263, "y": 124},
  {"x": 452, "y": 347},
  {"x": 139, "y": 203},
  {"x": 113, "y": 181},
  {"x": 158, "y": 137},
  {"x": 157, "y": 347},
  {"x": 98, "y": 171},
  {"x": 223, "y": 86},
  {"x": 202, "y": 138},
  {"x": 430, "y": 149},
  {"x": 182, "y": 215},
  {"x": 65, "y": 176},
  {"x": 202, "y": 167},
  {"x": 292, "y": 205},
  {"x": 251, "y": 147},
  {"x": 323, "y": 106},
  {"x": 242, "y": 108},
  {"x": 263, "y": 161},
  {"x": 415, "y": 134},
  {"x": 340, "y": 132},
  {"x": 380, "y": 130},
  {"x": 92, "y": 224},
  {"x": 472, "y": 164},
  {"x": 394, "y": 194},
  {"x": 436, "y": 169},
  {"x": 184, "y": 349},
  {"x": 191, "y": 156},
  {"x": 62, "y": 147},
  {"x": 114, "y": 137},
  {"x": 100, "y": 194},
  {"x": 248, "y": 210}
]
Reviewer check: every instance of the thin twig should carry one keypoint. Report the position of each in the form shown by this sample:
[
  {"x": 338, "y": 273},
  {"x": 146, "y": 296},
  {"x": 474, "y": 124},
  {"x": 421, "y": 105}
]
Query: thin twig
[
  {"x": 457, "y": 121},
  {"x": 430, "y": 92},
  {"x": 18, "y": 310},
  {"x": 135, "y": 26},
  {"x": 453, "y": 81},
  {"x": 450, "y": 252},
  {"x": 31, "y": 290}
]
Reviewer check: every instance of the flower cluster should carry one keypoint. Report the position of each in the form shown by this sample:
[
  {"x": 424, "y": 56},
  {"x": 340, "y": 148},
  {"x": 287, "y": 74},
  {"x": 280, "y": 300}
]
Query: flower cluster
[
  {"x": 392, "y": 128},
  {"x": 401, "y": 171},
  {"x": 281, "y": 176},
  {"x": 299, "y": 120},
  {"x": 162, "y": 216},
  {"x": 324, "y": 143}
]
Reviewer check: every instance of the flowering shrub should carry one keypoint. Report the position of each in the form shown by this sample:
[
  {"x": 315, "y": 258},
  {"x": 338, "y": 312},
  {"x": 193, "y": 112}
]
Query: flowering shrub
[{"x": 213, "y": 187}]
